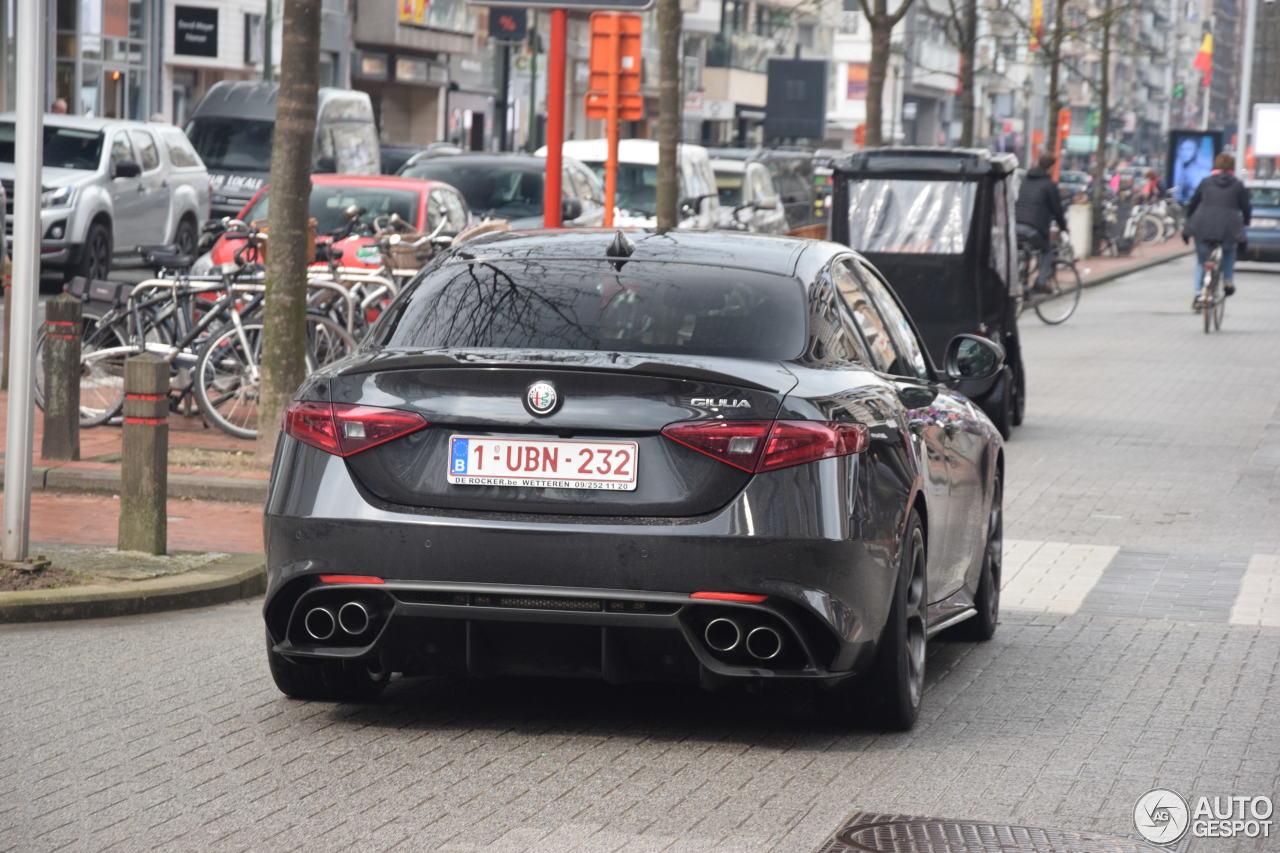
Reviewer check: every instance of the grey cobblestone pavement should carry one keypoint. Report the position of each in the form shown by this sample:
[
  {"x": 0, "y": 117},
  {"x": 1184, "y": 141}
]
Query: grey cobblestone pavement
[{"x": 1140, "y": 647}]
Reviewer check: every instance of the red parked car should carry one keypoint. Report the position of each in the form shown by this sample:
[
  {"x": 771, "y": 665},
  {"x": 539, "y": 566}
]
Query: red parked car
[{"x": 419, "y": 202}]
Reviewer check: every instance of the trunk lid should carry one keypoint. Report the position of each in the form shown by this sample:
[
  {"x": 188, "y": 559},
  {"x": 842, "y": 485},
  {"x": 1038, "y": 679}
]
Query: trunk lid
[{"x": 601, "y": 397}]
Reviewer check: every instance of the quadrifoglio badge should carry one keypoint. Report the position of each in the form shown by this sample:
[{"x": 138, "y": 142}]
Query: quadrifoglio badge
[{"x": 1164, "y": 817}]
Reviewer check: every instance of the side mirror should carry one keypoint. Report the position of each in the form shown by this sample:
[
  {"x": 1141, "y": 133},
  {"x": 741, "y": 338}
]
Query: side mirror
[
  {"x": 125, "y": 169},
  {"x": 973, "y": 357},
  {"x": 570, "y": 209}
]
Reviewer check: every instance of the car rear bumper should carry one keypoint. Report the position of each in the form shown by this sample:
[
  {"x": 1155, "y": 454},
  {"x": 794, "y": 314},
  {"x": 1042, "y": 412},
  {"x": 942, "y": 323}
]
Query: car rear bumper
[
  {"x": 508, "y": 593},
  {"x": 1263, "y": 245}
]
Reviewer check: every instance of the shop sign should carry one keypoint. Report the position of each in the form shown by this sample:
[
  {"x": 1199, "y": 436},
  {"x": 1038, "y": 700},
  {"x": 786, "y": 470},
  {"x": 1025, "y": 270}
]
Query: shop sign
[{"x": 195, "y": 31}]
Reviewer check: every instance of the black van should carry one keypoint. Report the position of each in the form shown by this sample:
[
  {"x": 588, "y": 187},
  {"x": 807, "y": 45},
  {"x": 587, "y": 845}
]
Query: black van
[{"x": 233, "y": 125}]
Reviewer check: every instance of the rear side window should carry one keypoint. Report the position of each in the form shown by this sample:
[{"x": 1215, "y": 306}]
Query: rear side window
[
  {"x": 148, "y": 156},
  {"x": 589, "y": 305},
  {"x": 181, "y": 154}
]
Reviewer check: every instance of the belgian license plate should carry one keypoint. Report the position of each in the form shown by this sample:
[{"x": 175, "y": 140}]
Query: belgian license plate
[{"x": 549, "y": 463}]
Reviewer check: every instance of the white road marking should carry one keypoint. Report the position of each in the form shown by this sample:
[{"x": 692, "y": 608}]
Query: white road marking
[
  {"x": 1258, "y": 602},
  {"x": 1051, "y": 577}
]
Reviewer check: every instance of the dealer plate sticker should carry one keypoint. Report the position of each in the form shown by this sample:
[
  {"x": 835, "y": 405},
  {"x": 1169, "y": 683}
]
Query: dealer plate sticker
[{"x": 547, "y": 463}]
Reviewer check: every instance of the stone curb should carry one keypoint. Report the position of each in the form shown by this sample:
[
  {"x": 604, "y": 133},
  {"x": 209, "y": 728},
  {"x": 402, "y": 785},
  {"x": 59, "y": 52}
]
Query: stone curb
[
  {"x": 1137, "y": 266},
  {"x": 235, "y": 577},
  {"x": 190, "y": 486}
]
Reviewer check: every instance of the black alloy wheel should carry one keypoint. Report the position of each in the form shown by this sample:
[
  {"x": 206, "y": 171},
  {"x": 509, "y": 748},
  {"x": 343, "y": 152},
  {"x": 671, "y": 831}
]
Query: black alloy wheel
[
  {"x": 95, "y": 254},
  {"x": 898, "y": 681},
  {"x": 986, "y": 601}
]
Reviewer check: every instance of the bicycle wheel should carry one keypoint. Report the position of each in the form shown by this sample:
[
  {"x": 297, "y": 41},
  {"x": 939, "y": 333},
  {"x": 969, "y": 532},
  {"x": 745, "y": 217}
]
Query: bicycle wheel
[
  {"x": 1150, "y": 228},
  {"x": 88, "y": 322},
  {"x": 102, "y": 358},
  {"x": 1209, "y": 295},
  {"x": 227, "y": 374},
  {"x": 1219, "y": 307},
  {"x": 226, "y": 379},
  {"x": 1054, "y": 308}
]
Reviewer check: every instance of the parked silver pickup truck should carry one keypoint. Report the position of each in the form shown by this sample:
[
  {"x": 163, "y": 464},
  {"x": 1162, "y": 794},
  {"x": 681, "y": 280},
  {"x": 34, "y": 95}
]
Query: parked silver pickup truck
[{"x": 109, "y": 186}]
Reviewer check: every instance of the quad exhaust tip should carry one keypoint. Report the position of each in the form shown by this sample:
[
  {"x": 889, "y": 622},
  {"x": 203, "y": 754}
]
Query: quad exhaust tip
[
  {"x": 353, "y": 617},
  {"x": 319, "y": 623},
  {"x": 764, "y": 643},
  {"x": 722, "y": 635}
]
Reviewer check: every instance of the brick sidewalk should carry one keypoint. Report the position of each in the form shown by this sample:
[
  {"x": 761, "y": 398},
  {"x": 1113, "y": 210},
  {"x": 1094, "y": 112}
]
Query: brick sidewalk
[{"x": 1093, "y": 269}]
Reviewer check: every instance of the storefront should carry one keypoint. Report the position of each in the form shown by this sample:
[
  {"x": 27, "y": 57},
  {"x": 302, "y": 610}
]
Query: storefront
[
  {"x": 407, "y": 93},
  {"x": 103, "y": 57}
]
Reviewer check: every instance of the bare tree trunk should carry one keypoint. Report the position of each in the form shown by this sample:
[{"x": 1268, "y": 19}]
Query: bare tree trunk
[
  {"x": 1055, "y": 67},
  {"x": 284, "y": 312},
  {"x": 877, "y": 73},
  {"x": 968, "y": 62},
  {"x": 668, "y": 203},
  {"x": 1104, "y": 119}
]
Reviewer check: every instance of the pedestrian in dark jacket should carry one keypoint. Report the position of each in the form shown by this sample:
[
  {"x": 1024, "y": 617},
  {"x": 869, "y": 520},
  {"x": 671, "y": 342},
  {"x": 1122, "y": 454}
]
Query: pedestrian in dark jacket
[
  {"x": 1217, "y": 213},
  {"x": 1039, "y": 206}
]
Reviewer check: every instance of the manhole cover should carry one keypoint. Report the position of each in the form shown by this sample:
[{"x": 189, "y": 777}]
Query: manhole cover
[{"x": 886, "y": 833}]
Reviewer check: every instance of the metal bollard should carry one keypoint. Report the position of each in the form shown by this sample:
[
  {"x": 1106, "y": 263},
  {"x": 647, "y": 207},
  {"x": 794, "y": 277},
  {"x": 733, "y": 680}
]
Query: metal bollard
[
  {"x": 61, "y": 378},
  {"x": 144, "y": 467}
]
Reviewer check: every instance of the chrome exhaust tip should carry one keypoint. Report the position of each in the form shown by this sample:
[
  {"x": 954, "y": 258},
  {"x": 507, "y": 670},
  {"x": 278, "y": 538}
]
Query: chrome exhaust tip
[
  {"x": 722, "y": 635},
  {"x": 764, "y": 643},
  {"x": 319, "y": 623},
  {"x": 353, "y": 617}
]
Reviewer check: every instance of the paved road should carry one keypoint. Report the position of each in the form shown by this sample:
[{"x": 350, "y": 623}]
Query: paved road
[{"x": 1140, "y": 646}]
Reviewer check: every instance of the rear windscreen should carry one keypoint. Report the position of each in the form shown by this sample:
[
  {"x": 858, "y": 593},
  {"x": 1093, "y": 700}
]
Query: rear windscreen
[
  {"x": 232, "y": 144},
  {"x": 589, "y": 305},
  {"x": 898, "y": 216}
]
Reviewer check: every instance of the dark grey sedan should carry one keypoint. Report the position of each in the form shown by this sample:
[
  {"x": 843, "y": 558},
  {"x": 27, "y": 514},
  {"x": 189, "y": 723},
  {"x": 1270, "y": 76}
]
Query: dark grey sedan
[{"x": 699, "y": 458}]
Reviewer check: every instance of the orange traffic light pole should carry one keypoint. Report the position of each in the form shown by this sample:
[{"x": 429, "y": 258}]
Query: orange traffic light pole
[
  {"x": 614, "y": 57},
  {"x": 551, "y": 206}
]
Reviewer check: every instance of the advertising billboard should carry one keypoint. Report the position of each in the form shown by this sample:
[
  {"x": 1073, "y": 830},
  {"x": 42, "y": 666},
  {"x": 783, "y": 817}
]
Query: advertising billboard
[{"x": 1190, "y": 160}]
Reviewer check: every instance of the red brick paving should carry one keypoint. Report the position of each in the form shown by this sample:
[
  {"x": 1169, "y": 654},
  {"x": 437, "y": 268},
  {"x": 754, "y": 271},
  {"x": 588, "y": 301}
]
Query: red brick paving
[{"x": 193, "y": 525}]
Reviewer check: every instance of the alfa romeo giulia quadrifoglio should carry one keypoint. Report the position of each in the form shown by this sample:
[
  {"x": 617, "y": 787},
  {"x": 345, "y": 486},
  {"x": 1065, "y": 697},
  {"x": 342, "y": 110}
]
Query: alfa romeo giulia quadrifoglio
[{"x": 700, "y": 458}]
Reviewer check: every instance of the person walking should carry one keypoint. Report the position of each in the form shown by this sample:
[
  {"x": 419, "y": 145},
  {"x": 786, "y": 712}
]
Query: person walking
[
  {"x": 1217, "y": 213},
  {"x": 1039, "y": 206}
]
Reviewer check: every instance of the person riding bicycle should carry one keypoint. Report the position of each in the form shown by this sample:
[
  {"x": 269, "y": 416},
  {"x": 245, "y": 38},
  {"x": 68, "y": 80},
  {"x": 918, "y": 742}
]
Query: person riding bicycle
[
  {"x": 1040, "y": 205},
  {"x": 1217, "y": 213}
]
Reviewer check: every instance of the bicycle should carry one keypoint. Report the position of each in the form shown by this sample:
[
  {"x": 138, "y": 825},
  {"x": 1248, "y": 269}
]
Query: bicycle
[
  {"x": 1064, "y": 285},
  {"x": 1212, "y": 299}
]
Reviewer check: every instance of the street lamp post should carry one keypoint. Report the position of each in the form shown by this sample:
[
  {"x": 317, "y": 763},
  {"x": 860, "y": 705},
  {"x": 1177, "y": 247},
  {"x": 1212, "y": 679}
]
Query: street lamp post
[
  {"x": 1246, "y": 84},
  {"x": 28, "y": 155}
]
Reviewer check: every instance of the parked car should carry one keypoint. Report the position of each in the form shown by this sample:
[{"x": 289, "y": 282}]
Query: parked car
[
  {"x": 637, "y": 191},
  {"x": 234, "y": 124},
  {"x": 110, "y": 185},
  {"x": 422, "y": 204},
  {"x": 1263, "y": 230},
  {"x": 509, "y": 186},
  {"x": 748, "y": 199},
  {"x": 688, "y": 457}
]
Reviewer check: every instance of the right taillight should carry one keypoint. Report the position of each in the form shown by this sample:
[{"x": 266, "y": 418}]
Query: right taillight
[
  {"x": 343, "y": 429},
  {"x": 756, "y": 446}
]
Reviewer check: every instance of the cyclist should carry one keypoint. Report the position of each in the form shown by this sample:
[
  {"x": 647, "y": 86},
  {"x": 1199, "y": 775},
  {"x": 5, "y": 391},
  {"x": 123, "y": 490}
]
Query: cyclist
[
  {"x": 1217, "y": 213},
  {"x": 1040, "y": 205}
]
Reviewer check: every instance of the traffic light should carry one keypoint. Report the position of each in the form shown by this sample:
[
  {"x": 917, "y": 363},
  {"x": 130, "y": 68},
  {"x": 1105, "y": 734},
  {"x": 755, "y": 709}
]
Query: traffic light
[{"x": 1179, "y": 91}]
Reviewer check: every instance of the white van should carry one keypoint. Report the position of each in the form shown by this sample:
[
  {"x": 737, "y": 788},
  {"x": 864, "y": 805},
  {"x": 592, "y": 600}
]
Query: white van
[{"x": 637, "y": 193}]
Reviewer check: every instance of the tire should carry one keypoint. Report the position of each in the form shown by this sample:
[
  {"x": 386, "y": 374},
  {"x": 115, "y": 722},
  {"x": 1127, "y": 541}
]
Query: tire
[
  {"x": 227, "y": 375},
  {"x": 88, "y": 322},
  {"x": 999, "y": 404},
  {"x": 102, "y": 357},
  {"x": 898, "y": 673},
  {"x": 95, "y": 254},
  {"x": 1057, "y": 307},
  {"x": 1208, "y": 296},
  {"x": 1219, "y": 308},
  {"x": 186, "y": 237},
  {"x": 325, "y": 681},
  {"x": 986, "y": 601},
  {"x": 1150, "y": 229},
  {"x": 1020, "y": 394}
]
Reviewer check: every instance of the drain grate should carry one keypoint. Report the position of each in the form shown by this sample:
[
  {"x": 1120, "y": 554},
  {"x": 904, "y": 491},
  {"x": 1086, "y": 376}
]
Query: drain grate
[{"x": 866, "y": 832}]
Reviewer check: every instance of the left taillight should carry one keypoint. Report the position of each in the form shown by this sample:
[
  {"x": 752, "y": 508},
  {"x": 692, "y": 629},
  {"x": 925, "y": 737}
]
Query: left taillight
[
  {"x": 758, "y": 446},
  {"x": 343, "y": 429}
]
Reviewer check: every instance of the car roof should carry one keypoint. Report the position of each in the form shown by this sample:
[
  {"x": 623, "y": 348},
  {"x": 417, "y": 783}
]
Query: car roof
[
  {"x": 643, "y": 151},
  {"x": 1263, "y": 183},
  {"x": 87, "y": 122},
  {"x": 391, "y": 182},
  {"x": 727, "y": 250},
  {"x": 942, "y": 161},
  {"x": 729, "y": 166},
  {"x": 531, "y": 162}
]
